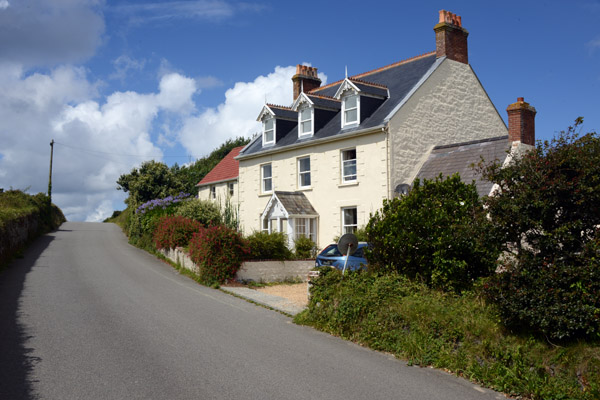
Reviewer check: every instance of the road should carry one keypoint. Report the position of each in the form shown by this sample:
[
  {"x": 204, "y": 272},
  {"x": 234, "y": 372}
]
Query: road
[{"x": 84, "y": 315}]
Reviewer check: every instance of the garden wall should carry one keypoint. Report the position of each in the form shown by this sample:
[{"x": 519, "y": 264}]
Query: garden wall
[{"x": 257, "y": 271}]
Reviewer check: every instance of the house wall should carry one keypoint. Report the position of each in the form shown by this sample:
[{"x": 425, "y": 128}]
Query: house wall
[
  {"x": 327, "y": 193},
  {"x": 450, "y": 107},
  {"x": 222, "y": 191}
]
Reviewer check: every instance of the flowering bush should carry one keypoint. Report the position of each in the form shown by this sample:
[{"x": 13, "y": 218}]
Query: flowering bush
[
  {"x": 174, "y": 231},
  {"x": 203, "y": 211},
  {"x": 165, "y": 204},
  {"x": 218, "y": 252}
]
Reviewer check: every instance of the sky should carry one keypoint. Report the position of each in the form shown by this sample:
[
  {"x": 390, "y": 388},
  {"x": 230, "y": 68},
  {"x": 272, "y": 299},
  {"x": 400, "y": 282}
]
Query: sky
[{"x": 116, "y": 83}]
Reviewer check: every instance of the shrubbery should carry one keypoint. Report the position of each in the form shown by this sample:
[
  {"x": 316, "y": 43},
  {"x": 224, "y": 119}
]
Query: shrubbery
[
  {"x": 204, "y": 211},
  {"x": 437, "y": 233},
  {"x": 547, "y": 212},
  {"x": 175, "y": 231},
  {"x": 268, "y": 246},
  {"x": 305, "y": 247},
  {"x": 218, "y": 252}
]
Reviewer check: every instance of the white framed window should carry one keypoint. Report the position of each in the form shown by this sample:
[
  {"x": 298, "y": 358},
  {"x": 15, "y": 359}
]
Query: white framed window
[
  {"x": 231, "y": 188},
  {"x": 350, "y": 110},
  {"x": 348, "y": 167},
  {"x": 213, "y": 192},
  {"x": 304, "y": 172},
  {"x": 305, "y": 122},
  {"x": 266, "y": 178},
  {"x": 349, "y": 220},
  {"x": 265, "y": 225},
  {"x": 305, "y": 227},
  {"x": 269, "y": 131}
]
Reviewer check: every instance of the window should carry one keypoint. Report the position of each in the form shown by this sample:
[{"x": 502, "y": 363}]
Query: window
[
  {"x": 267, "y": 179},
  {"x": 213, "y": 192},
  {"x": 350, "y": 110},
  {"x": 265, "y": 225},
  {"x": 349, "y": 220},
  {"x": 231, "y": 188},
  {"x": 305, "y": 122},
  {"x": 349, "y": 165},
  {"x": 304, "y": 172},
  {"x": 305, "y": 227},
  {"x": 269, "y": 131}
]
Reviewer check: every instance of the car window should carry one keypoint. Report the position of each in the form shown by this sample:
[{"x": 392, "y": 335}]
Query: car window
[
  {"x": 331, "y": 251},
  {"x": 359, "y": 253}
]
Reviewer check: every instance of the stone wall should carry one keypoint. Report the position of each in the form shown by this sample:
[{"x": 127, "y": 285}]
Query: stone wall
[
  {"x": 16, "y": 233},
  {"x": 257, "y": 271}
]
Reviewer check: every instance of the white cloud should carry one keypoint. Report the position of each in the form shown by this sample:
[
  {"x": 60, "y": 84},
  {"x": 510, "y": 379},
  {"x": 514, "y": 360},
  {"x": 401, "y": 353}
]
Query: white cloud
[
  {"x": 593, "y": 45},
  {"x": 95, "y": 141},
  {"x": 152, "y": 12},
  {"x": 237, "y": 115},
  {"x": 123, "y": 64},
  {"x": 41, "y": 32}
]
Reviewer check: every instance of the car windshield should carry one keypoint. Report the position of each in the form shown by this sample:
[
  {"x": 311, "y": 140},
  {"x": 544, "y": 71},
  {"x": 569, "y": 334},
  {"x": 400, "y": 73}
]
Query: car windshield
[{"x": 332, "y": 251}]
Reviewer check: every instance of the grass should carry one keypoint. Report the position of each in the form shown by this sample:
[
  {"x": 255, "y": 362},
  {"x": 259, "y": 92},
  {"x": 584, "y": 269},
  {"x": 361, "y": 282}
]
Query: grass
[
  {"x": 15, "y": 204},
  {"x": 459, "y": 333}
]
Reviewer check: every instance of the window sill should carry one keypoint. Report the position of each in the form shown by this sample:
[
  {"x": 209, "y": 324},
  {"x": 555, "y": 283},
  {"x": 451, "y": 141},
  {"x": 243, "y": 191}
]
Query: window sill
[
  {"x": 344, "y": 184},
  {"x": 265, "y": 194},
  {"x": 305, "y": 189}
]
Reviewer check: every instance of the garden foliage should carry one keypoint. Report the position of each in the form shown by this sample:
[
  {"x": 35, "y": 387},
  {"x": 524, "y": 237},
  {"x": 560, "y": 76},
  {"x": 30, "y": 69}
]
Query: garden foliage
[
  {"x": 268, "y": 246},
  {"x": 547, "y": 212},
  {"x": 305, "y": 248},
  {"x": 174, "y": 231},
  {"x": 437, "y": 233},
  {"x": 218, "y": 252},
  {"x": 204, "y": 211}
]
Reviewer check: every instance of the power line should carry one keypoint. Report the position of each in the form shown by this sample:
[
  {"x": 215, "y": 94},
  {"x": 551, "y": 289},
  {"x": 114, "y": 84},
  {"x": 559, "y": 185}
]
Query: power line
[{"x": 91, "y": 151}]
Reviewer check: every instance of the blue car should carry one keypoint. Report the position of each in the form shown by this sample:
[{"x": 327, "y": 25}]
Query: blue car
[{"x": 331, "y": 256}]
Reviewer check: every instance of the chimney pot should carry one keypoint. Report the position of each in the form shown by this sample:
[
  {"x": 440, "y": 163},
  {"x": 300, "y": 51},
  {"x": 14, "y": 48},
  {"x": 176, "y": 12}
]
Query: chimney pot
[
  {"x": 305, "y": 80},
  {"x": 451, "y": 37}
]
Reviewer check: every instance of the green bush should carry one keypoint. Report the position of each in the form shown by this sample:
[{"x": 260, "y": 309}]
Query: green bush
[
  {"x": 268, "y": 246},
  {"x": 218, "y": 252},
  {"x": 176, "y": 231},
  {"x": 438, "y": 233},
  {"x": 305, "y": 248},
  {"x": 204, "y": 211},
  {"x": 547, "y": 212},
  {"x": 462, "y": 334}
]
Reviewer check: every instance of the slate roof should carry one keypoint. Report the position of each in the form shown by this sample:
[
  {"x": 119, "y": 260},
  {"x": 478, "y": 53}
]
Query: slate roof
[
  {"x": 450, "y": 159},
  {"x": 295, "y": 203},
  {"x": 284, "y": 112},
  {"x": 370, "y": 88},
  {"x": 227, "y": 169},
  {"x": 400, "y": 78},
  {"x": 325, "y": 102}
]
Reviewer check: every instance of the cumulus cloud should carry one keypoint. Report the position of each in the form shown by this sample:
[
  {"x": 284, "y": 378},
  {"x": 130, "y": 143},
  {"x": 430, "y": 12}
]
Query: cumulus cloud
[
  {"x": 237, "y": 115},
  {"x": 41, "y": 32},
  {"x": 96, "y": 141}
]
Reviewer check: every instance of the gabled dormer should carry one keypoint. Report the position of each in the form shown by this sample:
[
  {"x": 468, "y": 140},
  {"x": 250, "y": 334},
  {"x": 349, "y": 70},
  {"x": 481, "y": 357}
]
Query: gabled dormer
[
  {"x": 359, "y": 100},
  {"x": 276, "y": 121},
  {"x": 304, "y": 106}
]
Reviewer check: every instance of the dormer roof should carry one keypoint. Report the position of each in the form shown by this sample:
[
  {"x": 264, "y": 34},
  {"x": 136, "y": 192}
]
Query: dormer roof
[
  {"x": 318, "y": 101},
  {"x": 276, "y": 111}
]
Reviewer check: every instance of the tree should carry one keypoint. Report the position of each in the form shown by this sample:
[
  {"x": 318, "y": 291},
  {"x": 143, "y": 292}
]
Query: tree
[
  {"x": 546, "y": 213},
  {"x": 153, "y": 180},
  {"x": 436, "y": 233}
]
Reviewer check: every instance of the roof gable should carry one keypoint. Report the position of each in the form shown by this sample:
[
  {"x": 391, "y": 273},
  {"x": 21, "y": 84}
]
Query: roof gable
[
  {"x": 289, "y": 204},
  {"x": 227, "y": 169}
]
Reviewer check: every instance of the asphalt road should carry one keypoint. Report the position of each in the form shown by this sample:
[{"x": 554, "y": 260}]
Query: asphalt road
[{"x": 84, "y": 315}]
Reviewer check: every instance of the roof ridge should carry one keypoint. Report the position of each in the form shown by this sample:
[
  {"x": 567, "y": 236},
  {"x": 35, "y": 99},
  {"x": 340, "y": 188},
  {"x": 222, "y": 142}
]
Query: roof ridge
[
  {"x": 278, "y": 106},
  {"x": 358, "y": 76},
  {"x": 322, "y": 96},
  {"x": 368, "y": 83}
]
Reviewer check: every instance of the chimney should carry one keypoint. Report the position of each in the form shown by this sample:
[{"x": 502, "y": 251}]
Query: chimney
[
  {"x": 451, "y": 38},
  {"x": 521, "y": 122},
  {"x": 305, "y": 80}
]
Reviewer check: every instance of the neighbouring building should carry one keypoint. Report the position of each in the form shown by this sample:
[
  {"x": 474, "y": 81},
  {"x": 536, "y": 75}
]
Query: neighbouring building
[
  {"x": 322, "y": 165},
  {"x": 221, "y": 182}
]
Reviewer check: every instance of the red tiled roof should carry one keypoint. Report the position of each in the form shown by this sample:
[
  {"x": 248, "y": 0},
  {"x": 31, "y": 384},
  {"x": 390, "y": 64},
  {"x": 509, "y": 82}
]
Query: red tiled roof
[{"x": 226, "y": 169}]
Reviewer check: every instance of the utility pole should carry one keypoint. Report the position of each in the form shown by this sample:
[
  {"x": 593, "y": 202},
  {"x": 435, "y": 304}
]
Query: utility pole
[{"x": 50, "y": 176}]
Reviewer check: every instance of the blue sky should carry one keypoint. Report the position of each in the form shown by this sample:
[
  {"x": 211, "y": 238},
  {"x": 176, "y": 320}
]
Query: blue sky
[{"x": 117, "y": 83}]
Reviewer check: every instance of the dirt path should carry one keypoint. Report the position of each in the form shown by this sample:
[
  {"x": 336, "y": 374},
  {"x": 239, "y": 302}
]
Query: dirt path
[{"x": 295, "y": 292}]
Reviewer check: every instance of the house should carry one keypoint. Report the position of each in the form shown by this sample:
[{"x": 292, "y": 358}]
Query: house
[
  {"x": 326, "y": 162},
  {"x": 222, "y": 181}
]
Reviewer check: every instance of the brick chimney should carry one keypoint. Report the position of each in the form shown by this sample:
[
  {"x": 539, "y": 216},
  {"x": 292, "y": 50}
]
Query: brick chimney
[
  {"x": 451, "y": 38},
  {"x": 305, "y": 80},
  {"x": 521, "y": 122}
]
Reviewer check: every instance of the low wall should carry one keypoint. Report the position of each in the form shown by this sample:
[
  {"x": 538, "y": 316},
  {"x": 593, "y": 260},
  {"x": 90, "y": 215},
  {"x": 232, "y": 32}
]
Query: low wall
[
  {"x": 14, "y": 234},
  {"x": 257, "y": 271}
]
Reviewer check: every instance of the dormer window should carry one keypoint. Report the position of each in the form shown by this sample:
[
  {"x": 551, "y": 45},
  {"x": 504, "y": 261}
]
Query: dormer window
[
  {"x": 305, "y": 122},
  {"x": 350, "y": 110},
  {"x": 269, "y": 131}
]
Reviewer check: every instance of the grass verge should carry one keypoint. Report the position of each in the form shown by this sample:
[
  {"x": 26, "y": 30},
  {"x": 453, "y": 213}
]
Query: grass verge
[{"x": 461, "y": 334}]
